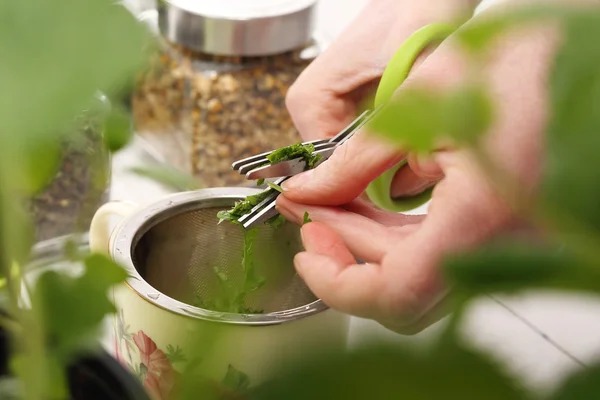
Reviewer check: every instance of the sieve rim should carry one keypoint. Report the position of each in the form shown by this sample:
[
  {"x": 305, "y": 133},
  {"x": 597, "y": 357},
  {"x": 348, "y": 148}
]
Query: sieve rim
[{"x": 121, "y": 248}]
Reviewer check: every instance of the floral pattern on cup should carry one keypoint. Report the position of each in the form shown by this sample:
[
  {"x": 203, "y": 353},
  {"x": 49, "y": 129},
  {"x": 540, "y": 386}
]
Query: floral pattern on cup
[{"x": 154, "y": 366}]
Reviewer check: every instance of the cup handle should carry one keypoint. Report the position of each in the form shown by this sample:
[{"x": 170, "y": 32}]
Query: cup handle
[{"x": 100, "y": 234}]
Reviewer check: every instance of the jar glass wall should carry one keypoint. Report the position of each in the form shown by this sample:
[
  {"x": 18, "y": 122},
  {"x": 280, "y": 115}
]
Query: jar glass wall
[
  {"x": 81, "y": 183},
  {"x": 200, "y": 112}
]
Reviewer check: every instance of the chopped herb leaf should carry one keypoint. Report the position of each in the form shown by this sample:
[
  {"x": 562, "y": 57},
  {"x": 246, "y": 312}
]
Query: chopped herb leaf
[
  {"x": 242, "y": 207},
  {"x": 306, "y": 218},
  {"x": 260, "y": 181},
  {"x": 252, "y": 282},
  {"x": 297, "y": 150},
  {"x": 275, "y": 187},
  {"x": 276, "y": 221}
]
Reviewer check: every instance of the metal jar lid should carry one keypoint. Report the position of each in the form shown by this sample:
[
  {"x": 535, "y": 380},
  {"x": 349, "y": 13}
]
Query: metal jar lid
[{"x": 238, "y": 27}]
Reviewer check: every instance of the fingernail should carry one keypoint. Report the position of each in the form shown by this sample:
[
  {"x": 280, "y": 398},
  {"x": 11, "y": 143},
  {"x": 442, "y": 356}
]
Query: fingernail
[
  {"x": 408, "y": 189},
  {"x": 298, "y": 181},
  {"x": 428, "y": 168}
]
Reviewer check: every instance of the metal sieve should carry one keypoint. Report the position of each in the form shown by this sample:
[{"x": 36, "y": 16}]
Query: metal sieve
[
  {"x": 191, "y": 258},
  {"x": 176, "y": 252},
  {"x": 181, "y": 259}
]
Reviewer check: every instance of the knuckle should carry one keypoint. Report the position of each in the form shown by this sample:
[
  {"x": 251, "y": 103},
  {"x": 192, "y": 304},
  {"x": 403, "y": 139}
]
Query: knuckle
[{"x": 296, "y": 97}]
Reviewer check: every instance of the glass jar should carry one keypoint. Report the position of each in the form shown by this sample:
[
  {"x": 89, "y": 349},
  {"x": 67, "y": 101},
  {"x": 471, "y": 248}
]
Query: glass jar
[
  {"x": 217, "y": 91},
  {"x": 81, "y": 183}
]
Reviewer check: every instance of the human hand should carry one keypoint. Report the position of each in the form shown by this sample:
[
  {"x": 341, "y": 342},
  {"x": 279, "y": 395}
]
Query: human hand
[
  {"x": 401, "y": 285},
  {"x": 327, "y": 95}
]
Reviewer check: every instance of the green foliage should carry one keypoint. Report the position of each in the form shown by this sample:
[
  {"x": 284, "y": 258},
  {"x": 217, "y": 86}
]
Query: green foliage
[
  {"x": 231, "y": 296},
  {"x": 391, "y": 372},
  {"x": 512, "y": 266},
  {"x": 71, "y": 326},
  {"x": 275, "y": 187},
  {"x": 242, "y": 207},
  {"x": 306, "y": 218},
  {"x": 417, "y": 119},
  {"x": 572, "y": 175},
  {"x": 118, "y": 130},
  {"x": 409, "y": 120},
  {"x": 297, "y": 150},
  {"x": 582, "y": 385},
  {"x": 467, "y": 113},
  {"x": 59, "y": 62},
  {"x": 276, "y": 221}
]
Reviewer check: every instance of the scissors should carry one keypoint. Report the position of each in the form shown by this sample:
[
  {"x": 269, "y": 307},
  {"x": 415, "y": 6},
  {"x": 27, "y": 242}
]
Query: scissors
[{"x": 397, "y": 70}]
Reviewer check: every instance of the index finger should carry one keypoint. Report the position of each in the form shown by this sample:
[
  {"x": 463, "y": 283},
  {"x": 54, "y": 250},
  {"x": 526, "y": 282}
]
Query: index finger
[{"x": 346, "y": 174}]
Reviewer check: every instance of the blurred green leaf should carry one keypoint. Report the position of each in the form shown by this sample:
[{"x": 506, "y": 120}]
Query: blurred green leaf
[
  {"x": 391, "y": 372},
  {"x": 512, "y": 266},
  {"x": 478, "y": 34},
  {"x": 50, "y": 384},
  {"x": 16, "y": 229},
  {"x": 417, "y": 118},
  {"x": 582, "y": 385},
  {"x": 411, "y": 120},
  {"x": 39, "y": 166},
  {"x": 467, "y": 114},
  {"x": 169, "y": 177},
  {"x": 72, "y": 308},
  {"x": 56, "y": 55},
  {"x": 118, "y": 130},
  {"x": 572, "y": 174}
]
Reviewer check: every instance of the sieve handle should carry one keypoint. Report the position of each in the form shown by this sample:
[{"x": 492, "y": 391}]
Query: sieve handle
[{"x": 100, "y": 232}]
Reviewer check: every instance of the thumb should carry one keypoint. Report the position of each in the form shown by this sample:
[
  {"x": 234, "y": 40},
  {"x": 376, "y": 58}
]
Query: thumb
[{"x": 346, "y": 174}]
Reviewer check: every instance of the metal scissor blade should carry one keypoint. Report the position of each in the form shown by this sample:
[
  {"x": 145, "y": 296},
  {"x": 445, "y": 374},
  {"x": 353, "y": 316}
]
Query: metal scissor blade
[
  {"x": 287, "y": 168},
  {"x": 263, "y": 210},
  {"x": 263, "y": 156},
  {"x": 263, "y": 162},
  {"x": 268, "y": 211},
  {"x": 359, "y": 121}
]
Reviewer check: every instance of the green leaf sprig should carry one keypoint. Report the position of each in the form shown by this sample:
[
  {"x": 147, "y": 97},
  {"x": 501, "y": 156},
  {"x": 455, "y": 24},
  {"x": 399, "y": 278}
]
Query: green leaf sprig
[{"x": 298, "y": 150}]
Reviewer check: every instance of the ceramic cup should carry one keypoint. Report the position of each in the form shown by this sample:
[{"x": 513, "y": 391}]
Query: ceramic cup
[{"x": 157, "y": 334}]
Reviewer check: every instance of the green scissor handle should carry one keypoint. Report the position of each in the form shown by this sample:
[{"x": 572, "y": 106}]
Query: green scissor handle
[{"x": 394, "y": 75}]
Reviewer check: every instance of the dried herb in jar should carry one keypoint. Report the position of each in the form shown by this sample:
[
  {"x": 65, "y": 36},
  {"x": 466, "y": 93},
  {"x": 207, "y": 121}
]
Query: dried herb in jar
[{"x": 203, "y": 112}]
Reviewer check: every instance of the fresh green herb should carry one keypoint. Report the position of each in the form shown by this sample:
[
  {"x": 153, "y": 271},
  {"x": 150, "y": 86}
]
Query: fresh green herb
[
  {"x": 276, "y": 221},
  {"x": 260, "y": 182},
  {"x": 232, "y": 298},
  {"x": 306, "y": 218},
  {"x": 297, "y": 150},
  {"x": 275, "y": 187},
  {"x": 242, "y": 208},
  {"x": 252, "y": 281}
]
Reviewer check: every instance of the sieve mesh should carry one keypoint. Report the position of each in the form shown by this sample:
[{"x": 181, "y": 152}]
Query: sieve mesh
[{"x": 178, "y": 256}]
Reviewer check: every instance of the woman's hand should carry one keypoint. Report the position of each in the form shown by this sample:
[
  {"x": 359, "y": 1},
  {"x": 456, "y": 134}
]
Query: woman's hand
[
  {"x": 401, "y": 285},
  {"x": 326, "y": 97}
]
